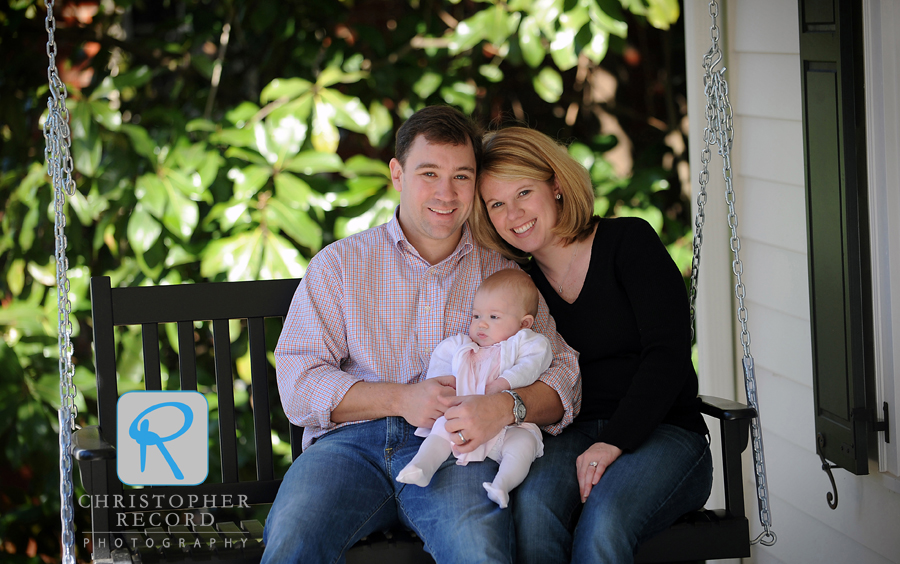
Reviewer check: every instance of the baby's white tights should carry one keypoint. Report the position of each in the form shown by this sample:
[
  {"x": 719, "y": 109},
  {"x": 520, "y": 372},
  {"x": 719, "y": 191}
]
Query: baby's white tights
[{"x": 516, "y": 455}]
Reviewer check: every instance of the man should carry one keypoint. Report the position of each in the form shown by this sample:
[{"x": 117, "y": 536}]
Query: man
[{"x": 353, "y": 354}]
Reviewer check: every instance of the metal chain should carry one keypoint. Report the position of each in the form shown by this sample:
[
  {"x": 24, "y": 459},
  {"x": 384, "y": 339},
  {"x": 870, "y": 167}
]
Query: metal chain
[
  {"x": 59, "y": 167},
  {"x": 720, "y": 131}
]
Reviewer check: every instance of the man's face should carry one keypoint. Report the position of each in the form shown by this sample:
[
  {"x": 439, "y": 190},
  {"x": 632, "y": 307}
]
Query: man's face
[{"x": 437, "y": 188}]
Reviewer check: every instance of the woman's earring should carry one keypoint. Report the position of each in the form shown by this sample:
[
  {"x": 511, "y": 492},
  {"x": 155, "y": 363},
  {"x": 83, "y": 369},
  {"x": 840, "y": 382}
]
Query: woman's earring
[{"x": 559, "y": 196}]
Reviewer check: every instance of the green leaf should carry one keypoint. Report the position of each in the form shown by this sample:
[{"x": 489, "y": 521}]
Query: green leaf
[
  {"x": 86, "y": 146},
  {"x": 234, "y": 137},
  {"x": 663, "y": 13},
  {"x": 325, "y": 136},
  {"x": 380, "y": 125},
  {"x": 281, "y": 259},
  {"x": 249, "y": 180},
  {"x": 361, "y": 165},
  {"x": 427, "y": 84},
  {"x": 651, "y": 215},
  {"x": 182, "y": 215},
  {"x": 562, "y": 50},
  {"x": 299, "y": 109},
  {"x": 15, "y": 276},
  {"x": 548, "y": 85},
  {"x": 596, "y": 49},
  {"x": 106, "y": 116},
  {"x": 491, "y": 72},
  {"x": 141, "y": 141},
  {"x": 240, "y": 114},
  {"x": 130, "y": 79},
  {"x": 27, "y": 318},
  {"x": 314, "y": 162},
  {"x": 333, "y": 74},
  {"x": 494, "y": 24},
  {"x": 462, "y": 95},
  {"x": 293, "y": 191},
  {"x": 143, "y": 231},
  {"x": 501, "y": 24},
  {"x": 151, "y": 193},
  {"x": 349, "y": 112},
  {"x": 286, "y": 136},
  {"x": 188, "y": 183},
  {"x": 530, "y": 42},
  {"x": 229, "y": 214},
  {"x": 294, "y": 223},
  {"x": 289, "y": 88},
  {"x": 86, "y": 155},
  {"x": 608, "y": 16},
  {"x": 27, "y": 233},
  {"x": 200, "y": 124},
  {"x": 237, "y": 256},
  {"x": 244, "y": 154}
]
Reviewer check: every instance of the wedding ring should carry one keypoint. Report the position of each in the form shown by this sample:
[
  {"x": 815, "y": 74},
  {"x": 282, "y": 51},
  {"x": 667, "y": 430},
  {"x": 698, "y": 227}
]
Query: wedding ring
[
  {"x": 461, "y": 437},
  {"x": 594, "y": 464}
]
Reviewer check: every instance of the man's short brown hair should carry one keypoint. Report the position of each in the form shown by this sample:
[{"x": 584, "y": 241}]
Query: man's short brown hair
[{"x": 438, "y": 124}]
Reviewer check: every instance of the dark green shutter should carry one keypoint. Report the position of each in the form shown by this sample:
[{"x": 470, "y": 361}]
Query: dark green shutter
[{"x": 837, "y": 224}]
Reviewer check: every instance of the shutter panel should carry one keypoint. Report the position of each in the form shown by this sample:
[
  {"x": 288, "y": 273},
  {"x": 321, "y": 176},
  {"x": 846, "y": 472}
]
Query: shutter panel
[{"x": 837, "y": 225}]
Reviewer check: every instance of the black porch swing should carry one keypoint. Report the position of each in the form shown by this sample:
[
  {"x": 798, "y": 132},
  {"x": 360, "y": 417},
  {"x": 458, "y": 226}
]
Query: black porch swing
[{"x": 701, "y": 535}]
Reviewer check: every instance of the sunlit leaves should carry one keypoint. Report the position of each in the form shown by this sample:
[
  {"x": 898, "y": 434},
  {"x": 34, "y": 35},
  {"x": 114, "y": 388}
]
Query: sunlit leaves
[
  {"x": 548, "y": 84},
  {"x": 143, "y": 231},
  {"x": 87, "y": 148},
  {"x": 288, "y": 88},
  {"x": 427, "y": 84},
  {"x": 248, "y": 180}
]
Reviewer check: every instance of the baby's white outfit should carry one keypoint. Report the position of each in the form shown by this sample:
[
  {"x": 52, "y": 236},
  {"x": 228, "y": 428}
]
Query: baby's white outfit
[{"x": 521, "y": 359}]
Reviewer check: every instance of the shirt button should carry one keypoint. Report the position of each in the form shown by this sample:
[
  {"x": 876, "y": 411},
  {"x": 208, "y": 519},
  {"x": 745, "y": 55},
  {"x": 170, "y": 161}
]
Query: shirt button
[{"x": 427, "y": 308}]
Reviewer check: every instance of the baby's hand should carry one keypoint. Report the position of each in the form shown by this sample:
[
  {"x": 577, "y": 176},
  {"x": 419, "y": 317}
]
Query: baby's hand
[{"x": 497, "y": 386}]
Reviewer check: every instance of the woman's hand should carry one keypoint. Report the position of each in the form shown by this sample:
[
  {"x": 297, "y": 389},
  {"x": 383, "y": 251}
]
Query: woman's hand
[
  {"x": 589, "y": 474},
  {"x": 479, "y": 418}
]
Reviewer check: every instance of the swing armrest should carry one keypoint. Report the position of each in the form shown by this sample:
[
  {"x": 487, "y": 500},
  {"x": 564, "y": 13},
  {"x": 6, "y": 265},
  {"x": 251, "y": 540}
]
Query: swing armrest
[
  {"x": 725, "y": 410},
  {"x": 89, "y": 445}
]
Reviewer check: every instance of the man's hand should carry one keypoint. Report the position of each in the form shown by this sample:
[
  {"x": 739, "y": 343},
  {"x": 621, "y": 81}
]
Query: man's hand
[
  {"x": 426, "y": 401},
  {"x": 592, "y": 464},
  {"x": 479, "y": 418}
]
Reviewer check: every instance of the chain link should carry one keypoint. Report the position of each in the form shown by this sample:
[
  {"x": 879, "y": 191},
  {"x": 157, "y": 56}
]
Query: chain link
[
  {"x": 59, "y": 167},
  {"x": 719, "y": 131}
]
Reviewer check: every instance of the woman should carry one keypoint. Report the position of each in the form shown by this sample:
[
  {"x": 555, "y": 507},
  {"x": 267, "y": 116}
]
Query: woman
[{"x": 637, "y": 456}]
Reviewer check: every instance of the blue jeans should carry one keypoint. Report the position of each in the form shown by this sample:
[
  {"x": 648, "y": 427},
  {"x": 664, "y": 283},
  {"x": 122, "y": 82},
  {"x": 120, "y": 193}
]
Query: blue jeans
[
  {"x": 639, "y": 495},
  {"x": 342, "y": 488}
]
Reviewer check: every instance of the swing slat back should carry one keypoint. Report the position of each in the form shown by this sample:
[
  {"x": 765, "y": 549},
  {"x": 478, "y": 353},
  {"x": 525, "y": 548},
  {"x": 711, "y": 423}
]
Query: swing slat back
[{"x": 206, "y": 316}]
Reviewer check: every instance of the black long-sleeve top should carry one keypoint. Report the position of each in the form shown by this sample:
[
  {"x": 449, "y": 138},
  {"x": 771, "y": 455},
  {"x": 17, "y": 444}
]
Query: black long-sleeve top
[{"x": 631, "y": 326}]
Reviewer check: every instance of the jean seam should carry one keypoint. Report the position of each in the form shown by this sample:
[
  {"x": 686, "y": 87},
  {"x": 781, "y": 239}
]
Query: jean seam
[
  {"x": 347, "y": 544},
  {"x": 428, "y": 547}
]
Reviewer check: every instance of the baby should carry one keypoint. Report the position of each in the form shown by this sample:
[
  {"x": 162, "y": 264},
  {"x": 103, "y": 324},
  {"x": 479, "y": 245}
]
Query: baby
[{"x": 501, "y": 352}]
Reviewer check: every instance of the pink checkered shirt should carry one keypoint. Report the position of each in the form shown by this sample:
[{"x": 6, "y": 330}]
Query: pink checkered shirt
[{"x": 371, "y": 309}]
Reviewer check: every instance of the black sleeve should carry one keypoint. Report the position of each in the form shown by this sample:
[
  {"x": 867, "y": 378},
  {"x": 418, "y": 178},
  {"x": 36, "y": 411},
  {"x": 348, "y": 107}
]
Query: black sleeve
[{"x": 656, "y": 292}]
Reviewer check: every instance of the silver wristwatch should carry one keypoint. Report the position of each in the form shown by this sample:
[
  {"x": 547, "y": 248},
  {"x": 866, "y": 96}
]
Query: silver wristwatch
[{"x": 518, "y": 407}]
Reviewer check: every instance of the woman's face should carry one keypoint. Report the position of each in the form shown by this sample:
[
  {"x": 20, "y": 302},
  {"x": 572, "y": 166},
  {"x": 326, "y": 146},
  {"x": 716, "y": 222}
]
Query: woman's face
[{"x": 523, "y": 211}]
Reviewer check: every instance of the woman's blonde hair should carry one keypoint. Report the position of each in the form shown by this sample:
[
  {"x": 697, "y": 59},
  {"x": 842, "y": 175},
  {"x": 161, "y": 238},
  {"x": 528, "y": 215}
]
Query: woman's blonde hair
[{"x": 516, "y": 153}]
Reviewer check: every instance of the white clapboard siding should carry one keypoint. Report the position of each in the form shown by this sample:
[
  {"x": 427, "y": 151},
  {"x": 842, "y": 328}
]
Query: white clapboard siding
[{"x": 762, "y": 58}]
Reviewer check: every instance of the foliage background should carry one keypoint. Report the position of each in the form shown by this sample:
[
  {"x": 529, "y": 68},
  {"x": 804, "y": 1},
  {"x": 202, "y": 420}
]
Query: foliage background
[{"x": 232, "y": 139}]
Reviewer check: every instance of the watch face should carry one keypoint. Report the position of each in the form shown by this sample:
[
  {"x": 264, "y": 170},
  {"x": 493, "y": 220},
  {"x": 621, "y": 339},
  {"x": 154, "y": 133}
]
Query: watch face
[{"x": 520, "y": 411}]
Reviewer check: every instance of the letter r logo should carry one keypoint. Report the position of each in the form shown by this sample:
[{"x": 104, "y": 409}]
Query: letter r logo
[{"x": 163, "y": 438}]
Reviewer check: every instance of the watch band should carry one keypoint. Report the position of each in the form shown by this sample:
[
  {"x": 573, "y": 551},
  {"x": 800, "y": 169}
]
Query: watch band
[{"x": 518, "y": 407}]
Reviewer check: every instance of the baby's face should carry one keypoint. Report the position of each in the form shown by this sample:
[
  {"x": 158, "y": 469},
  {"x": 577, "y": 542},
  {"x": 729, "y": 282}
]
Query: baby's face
[{"x": 495, "y": 318}]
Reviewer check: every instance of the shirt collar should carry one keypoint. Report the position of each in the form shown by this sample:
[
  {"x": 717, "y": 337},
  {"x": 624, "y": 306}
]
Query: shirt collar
[{"x": 464, "y": 247}]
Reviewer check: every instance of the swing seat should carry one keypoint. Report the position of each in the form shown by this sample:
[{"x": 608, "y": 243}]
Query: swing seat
[{"x": 169, "y": 528}]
